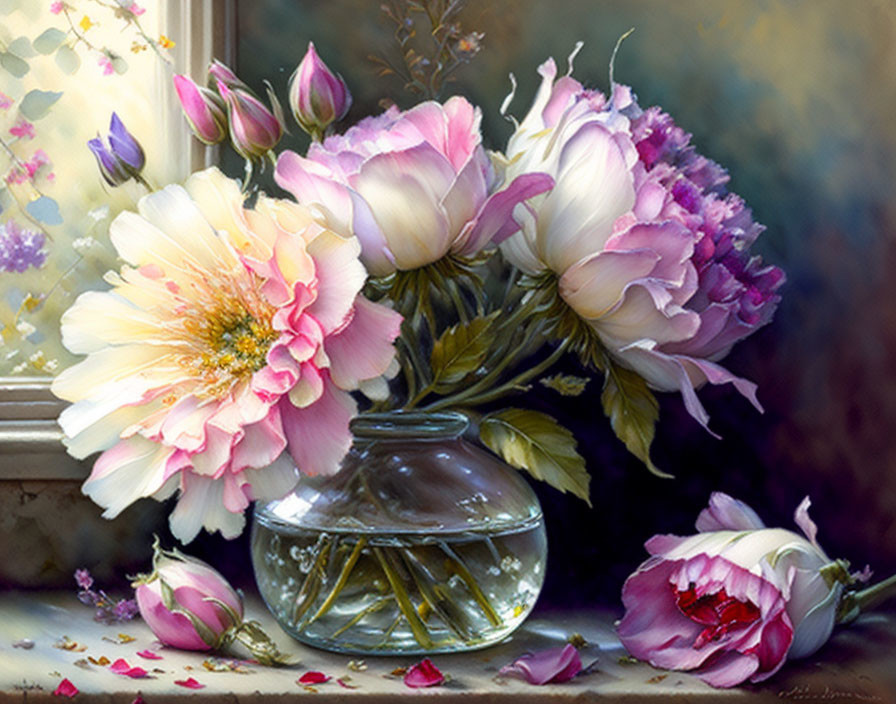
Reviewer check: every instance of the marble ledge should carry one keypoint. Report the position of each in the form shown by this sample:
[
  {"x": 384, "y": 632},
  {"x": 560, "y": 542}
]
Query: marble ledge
[{"x": 857, "y": 665}]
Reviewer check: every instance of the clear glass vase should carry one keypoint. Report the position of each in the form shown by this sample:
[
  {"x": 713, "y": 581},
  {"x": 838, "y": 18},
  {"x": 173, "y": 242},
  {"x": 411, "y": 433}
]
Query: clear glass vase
[{"x": 422, "y": 543}]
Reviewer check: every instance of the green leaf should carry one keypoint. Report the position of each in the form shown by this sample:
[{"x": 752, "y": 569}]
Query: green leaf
[
  {"x": 37, "y": 103},
  {"x": 633, "y": 412},
  {"x": 460, "y": 351},
  {"x": 13, "y": 64},
  {"x": 67, "y": 59},
  {"x": 49, "y": 40},
  {"x": 46, "y": 210},
  {"x": 536, "y": 442},
  {"x": 22, "y": 48},
  {"x": 566, "y": 384}
]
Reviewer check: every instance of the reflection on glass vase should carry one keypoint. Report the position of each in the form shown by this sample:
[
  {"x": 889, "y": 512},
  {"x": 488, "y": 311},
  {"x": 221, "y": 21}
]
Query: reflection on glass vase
[{"x": 422, "y": 543}]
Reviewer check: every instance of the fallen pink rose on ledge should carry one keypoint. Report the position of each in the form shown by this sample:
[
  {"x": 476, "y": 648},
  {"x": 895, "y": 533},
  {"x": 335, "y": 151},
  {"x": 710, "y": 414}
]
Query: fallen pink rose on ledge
[
  {"x": 546, "y": 666},
  {"x": 734, "y": 602}
]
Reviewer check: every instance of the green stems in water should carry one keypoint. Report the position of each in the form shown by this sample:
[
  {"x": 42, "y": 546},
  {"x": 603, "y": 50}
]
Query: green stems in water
[{"x": 403, "y": 600}]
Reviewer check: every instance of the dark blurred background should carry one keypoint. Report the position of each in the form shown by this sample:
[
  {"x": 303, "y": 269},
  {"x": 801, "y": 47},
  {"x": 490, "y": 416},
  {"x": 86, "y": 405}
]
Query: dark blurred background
[{"x": 798, "y": 100}]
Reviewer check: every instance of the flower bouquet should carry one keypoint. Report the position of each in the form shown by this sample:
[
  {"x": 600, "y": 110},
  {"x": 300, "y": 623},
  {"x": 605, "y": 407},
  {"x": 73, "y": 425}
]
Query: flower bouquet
[{"x": 416, "y": 275}]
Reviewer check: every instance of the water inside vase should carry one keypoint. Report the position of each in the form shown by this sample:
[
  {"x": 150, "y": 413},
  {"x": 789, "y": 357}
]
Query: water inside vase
[{"x": 407, "y": 592}]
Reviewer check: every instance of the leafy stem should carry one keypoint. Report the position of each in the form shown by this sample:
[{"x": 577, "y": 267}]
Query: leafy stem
[{"x": 470, "y": 397}]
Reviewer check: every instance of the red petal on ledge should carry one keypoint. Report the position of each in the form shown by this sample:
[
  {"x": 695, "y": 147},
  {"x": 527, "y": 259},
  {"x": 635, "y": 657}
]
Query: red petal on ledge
[
  {"x": 424, "y": 674},
  {"x": 189, "y": 683},
  {"x": 314, "y": 677},
  {"x": 121, "y": 667},
  {"x": 65, "y": 689},
  {"x": 149, "y": 655},
  {"x": 546, "y": 666}
]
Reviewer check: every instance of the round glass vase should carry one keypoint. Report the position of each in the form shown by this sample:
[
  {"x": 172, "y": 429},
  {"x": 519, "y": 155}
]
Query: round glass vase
[{"x": 421, "y": 543}]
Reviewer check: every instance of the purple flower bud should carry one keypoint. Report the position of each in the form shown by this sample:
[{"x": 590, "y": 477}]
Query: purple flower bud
[
  {"x": 123, "y": 157},
  {"x": 254, "y": 130},
  {"x": 111, "y": 169},
  {"x": 318, "y": 97},
  {"x": 124, "y": 147},
  {"x": 203, "y": 109}
]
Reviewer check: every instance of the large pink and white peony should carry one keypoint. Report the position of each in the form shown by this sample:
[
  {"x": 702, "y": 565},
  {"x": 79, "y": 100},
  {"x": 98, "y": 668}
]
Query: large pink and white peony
[
  {"x": 220, "y": 363},
  {"x": 638, "y": 235},
  {"x": 413, "y": 186}
]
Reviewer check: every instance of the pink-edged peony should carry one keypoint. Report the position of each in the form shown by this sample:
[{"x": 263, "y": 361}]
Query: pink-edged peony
[
  {"x": 731, "y": 603},
  {"x": 186, "y": 603},
  {"x": 222, "y": 358},
  {"x": 646, "y": 246},
  {"x": 413, "y": 186}
]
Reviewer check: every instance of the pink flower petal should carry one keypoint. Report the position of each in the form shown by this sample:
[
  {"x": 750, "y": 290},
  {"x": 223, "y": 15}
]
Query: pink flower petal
[
  {"x": 727, "y": 513},
  {"x": 546, "y": 666},
  {"x": 314, "y": 677},
  {"x": 424, "y": 674},
  {"x": 65, "y": 689},
  {"x": 806, "y": 524},
  {"x": 149, "y": 655},
  {"x": 121, "y": 667},
  {"x": 189, "y": 683}
]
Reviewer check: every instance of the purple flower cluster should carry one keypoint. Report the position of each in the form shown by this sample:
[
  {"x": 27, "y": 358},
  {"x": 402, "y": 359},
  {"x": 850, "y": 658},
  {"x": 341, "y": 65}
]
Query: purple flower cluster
[
  {"x": 20, "y": 249},
  {"x": 107, "y": 609},
  {"x": 736, "y": 293}
]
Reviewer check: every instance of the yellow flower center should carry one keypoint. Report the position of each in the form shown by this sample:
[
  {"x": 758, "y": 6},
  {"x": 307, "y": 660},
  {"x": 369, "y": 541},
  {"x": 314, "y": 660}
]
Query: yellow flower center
[{"x": 228, "y": 328}]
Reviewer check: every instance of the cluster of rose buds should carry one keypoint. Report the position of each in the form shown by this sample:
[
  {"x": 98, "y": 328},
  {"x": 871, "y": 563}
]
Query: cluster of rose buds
[
  {"x": 228, "y": 105},
  {"x": 120, "y": 157},
  {"x": 317, "y": 97}
]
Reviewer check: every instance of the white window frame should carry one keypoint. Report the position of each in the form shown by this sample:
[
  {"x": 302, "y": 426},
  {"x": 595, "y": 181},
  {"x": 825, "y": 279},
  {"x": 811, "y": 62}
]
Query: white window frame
[{"x": 30, "y": 438}]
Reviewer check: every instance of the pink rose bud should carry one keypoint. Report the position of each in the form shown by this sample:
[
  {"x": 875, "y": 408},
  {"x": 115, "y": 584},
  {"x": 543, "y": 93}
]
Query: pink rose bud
[
  {"x": 203, "y": 109},
  {"x": 254, "y": 130},
  {"x": 318, "y": 97},
  {"x": 186, "y": 603},
  {"x": 221, "y": 73},
  {"x": 734, "y": 601}
]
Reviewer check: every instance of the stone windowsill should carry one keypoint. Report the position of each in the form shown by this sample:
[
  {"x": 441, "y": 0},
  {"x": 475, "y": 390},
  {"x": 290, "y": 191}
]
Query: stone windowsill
[{"x": 856, "y": 665}]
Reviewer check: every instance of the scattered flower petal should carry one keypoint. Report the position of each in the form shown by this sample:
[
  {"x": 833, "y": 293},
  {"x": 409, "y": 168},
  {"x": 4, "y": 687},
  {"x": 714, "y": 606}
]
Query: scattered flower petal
[
  {"x": 357, "y": 665},
  {"x": 121, "y": 667},
  {"x": 102, "y": 661},
  {"x": 24, "y": 644},
  {"x": 546, "y": 666},
  {"x": 424, "y": 674},
  {"x": 314, "y": 677},
  {"x": 344, "y": 683},
  {"x": 66, "y": 643},
  {"x": 190, "y": 683},
  {"x": 149, "y": 655},
  {"x": 65, "y": 689}
]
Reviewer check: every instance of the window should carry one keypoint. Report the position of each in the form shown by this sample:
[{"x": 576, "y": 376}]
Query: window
[{"x": 79, "y": 61}]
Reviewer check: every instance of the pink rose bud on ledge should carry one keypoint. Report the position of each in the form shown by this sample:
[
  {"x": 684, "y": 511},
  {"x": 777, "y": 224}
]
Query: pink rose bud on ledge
[
  {"x": 733, "y": 602},
  {"x": 189, "y": 605},
  {"x": 203, "y": 109},
  {"x": 186, "y": 603},
  {"x": 318, "y": 97}
]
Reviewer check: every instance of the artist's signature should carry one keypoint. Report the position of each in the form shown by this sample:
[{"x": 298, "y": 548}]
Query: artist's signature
[{"x": 804, "y": 692}]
